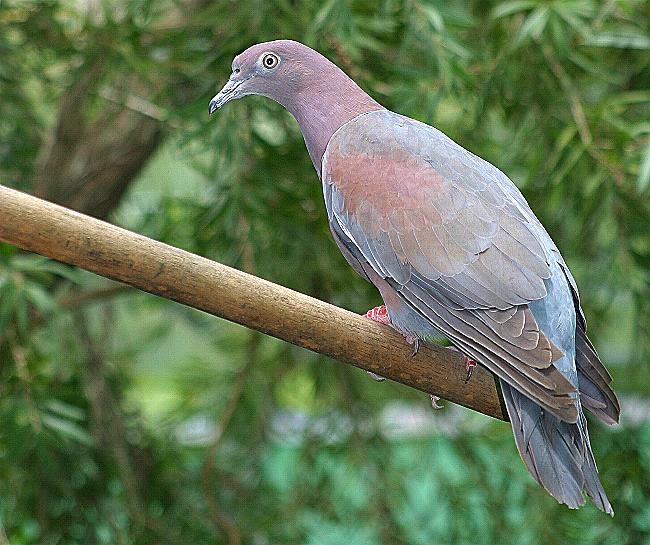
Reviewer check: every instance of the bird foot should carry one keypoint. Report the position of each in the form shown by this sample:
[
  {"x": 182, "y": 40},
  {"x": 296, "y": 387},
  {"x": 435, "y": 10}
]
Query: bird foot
[
  {"x": 469, "y": 367},
  {"x": 469, "y": 364},
  {"x": 434, "y": 402},
  {"x": 412, "y": 339},
  {"x": 380, "y": 315}
]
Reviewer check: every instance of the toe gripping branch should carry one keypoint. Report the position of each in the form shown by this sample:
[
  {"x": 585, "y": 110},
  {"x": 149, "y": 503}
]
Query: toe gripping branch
[
  {"x": 469, "y": 367},
  {"x": 378, "y": 314}
]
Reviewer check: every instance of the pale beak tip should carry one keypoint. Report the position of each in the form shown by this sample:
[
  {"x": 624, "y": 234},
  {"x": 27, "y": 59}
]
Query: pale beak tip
[{"x": 213, "y": 106}]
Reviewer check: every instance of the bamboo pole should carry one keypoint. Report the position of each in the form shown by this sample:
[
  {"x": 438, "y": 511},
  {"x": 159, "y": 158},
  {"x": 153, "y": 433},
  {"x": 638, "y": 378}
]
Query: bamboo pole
[{"x": 53, "y": 231}]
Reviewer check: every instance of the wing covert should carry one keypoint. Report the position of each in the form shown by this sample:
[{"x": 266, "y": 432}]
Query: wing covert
[
  {"x": 416, "y": 203},
  {"x": 453, "y": 236}
]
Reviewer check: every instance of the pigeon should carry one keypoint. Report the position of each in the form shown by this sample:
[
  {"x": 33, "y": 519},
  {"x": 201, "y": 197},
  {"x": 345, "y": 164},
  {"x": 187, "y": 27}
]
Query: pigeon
[{"x": 455, "y": 252}]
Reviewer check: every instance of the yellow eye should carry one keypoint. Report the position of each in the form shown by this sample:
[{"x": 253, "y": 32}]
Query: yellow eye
[{"x": 270, "y": 60}]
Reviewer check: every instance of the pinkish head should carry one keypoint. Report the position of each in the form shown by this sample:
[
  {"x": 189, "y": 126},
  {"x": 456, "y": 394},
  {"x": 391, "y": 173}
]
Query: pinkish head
[
  {"x": 280, "y": 70},
  {"x": 316, "y": 91}
]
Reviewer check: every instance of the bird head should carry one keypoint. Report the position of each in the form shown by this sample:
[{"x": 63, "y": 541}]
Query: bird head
[
  {"x": 279, "y": 70},
  {"x": 316, "y": 92}
]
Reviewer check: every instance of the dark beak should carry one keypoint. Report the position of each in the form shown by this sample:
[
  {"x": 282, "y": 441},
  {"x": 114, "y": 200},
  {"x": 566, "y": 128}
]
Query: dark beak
[{"x": 228, "y": 93}]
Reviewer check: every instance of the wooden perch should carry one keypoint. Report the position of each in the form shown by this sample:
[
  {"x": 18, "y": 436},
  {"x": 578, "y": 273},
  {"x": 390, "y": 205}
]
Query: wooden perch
[{"x": 67, "y": 236}]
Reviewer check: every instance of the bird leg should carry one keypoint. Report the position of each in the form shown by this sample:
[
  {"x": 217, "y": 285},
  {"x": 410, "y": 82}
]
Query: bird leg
[
  {"x": 380, "y": 315},
  {"x": 470, "y": 363},
  {"x": 469, "y": 367}
]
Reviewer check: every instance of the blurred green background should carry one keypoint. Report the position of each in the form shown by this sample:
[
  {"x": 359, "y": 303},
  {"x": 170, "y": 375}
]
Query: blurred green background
[{"x": 127, "y": 419}]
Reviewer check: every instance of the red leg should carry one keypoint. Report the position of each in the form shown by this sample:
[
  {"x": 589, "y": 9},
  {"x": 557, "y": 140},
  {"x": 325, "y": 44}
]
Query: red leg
[
  {"x": 378, "y": 314},
  {"x": 469, "y": 364},
  {"x": 469, "y": 367}
]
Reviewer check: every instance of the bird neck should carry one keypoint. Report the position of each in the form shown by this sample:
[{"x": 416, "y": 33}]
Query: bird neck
[{"x": 322, "y": 108}]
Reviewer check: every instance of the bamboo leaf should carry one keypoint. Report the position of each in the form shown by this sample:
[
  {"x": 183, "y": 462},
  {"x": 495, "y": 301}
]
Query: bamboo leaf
[
  {"x": 65, "y": 410},
  {"x": 534, "y": 24},
  {"x": 434, "y": 18},
  {"x": 643, "y": 181},
  {"x": 509, "y": 8},
  {"x": 630, "y": 39},
  {"x": 68, "y": 429}
]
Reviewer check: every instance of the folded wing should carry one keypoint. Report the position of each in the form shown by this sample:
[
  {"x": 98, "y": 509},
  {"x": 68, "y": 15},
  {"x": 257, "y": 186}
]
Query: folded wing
[{"x": 444, "y": 230}]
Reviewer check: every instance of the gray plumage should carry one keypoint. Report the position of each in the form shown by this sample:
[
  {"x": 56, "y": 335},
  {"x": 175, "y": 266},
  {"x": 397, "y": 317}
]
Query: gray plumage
[{"x": 455, "y": 251}]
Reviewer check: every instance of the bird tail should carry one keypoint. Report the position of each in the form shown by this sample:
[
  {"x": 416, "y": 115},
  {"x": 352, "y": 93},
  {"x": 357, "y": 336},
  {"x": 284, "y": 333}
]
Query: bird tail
[
  {"x": 594, "y": 381},
  {"x": 557, "y": 454}
]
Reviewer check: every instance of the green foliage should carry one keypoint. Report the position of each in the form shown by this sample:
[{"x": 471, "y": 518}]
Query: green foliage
[{"x": 112, "y": 426}]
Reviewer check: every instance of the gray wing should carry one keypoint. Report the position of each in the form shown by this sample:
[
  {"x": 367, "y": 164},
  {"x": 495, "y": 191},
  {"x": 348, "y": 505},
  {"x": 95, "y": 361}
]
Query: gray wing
[
  {"x": 449, "y": 233},
  {"x": 594, "y": 381}
]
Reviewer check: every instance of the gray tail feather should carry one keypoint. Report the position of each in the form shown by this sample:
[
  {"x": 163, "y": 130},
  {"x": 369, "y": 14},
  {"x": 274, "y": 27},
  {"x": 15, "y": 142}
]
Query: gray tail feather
[
  {"x": 594, "y": 381},
  {"x": 557, "y": 454}
]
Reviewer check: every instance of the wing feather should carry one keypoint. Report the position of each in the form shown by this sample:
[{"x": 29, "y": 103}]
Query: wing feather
[{"x": 446, "y": 232}]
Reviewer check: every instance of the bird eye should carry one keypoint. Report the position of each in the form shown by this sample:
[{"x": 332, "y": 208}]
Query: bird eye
[
  {"x": 236, "y": 70},
  {"x": 270, "y": 61}
]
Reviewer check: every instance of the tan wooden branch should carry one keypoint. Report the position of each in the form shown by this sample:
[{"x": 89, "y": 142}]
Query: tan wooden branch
[{"x": 67, "y": 236}]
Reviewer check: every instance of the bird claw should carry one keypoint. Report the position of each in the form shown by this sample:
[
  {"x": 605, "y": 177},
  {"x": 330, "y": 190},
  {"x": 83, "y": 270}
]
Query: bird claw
[
  {"x": 412, "y": 339},
  {"x": 469, "y": 363},
  {"x": 375, "y": 376},
  {"x": 378, "y": 314},
  {"x": 469, "y": 367}
]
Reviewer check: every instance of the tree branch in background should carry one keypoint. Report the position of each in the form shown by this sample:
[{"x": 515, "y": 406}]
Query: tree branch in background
[
  {"x": 88, "y": 163},
  {"x": 219, "y": 518},
  {"x": 67, "y": 236},
  {"x": 109, "y": 428}
]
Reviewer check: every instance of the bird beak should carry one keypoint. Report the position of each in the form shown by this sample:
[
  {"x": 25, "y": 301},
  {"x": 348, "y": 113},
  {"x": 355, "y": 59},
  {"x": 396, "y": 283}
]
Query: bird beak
[{"x": 228, "y": 93}]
